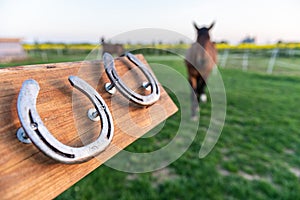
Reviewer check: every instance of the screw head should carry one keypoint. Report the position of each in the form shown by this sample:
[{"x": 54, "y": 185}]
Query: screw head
[
  {"x": 147, "y": 86},
  {"x": 22, "y": 137},
  {"x": 110, "y": 88},
  {"x": 93, "y": 115}
]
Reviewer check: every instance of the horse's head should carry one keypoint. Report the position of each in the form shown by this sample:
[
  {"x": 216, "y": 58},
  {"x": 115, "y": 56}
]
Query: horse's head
[{"x": 203, "y": 33}]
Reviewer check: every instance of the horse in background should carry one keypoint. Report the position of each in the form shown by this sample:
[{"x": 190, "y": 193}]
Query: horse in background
[
  {"x": 200, "y": 60},
  {"x": 112, "y": 48}
]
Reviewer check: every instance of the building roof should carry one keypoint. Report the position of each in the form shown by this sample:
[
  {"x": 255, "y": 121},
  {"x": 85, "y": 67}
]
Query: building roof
[{"x": 18, "y": 40}]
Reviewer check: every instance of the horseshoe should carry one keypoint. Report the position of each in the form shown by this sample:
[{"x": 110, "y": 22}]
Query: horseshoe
[
  {"x": 117, "y": 83},
  {"x": 33, "y": 130}
]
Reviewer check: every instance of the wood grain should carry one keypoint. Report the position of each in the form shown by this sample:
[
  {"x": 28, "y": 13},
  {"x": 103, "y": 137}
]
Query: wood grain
[{"x": 25, "y": 172}]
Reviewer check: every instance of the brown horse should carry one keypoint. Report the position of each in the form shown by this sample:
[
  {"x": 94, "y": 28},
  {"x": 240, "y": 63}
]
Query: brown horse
[
  {"x": 112, "y": 48},
  {"x": 200, "y": 60}
]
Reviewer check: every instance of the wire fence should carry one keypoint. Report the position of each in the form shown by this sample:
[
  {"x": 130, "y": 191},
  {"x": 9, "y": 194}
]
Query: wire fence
[{"x": 271, "y": 61}]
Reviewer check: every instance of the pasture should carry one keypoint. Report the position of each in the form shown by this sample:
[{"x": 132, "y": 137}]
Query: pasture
[{"x": 256, "y": 157}]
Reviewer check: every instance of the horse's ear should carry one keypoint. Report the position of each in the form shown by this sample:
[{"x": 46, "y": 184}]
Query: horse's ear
[
  {"x": 196, "y": 26},
  {"x": 212, "y": 25}
]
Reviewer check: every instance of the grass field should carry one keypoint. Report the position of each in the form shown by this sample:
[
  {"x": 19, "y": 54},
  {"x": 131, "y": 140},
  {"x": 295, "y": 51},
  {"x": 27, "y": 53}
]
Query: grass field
[{"x": 256, "y": 156}]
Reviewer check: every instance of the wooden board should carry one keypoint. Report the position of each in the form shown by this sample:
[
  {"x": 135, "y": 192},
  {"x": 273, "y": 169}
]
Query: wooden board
[{"x": 25, "y": 172}]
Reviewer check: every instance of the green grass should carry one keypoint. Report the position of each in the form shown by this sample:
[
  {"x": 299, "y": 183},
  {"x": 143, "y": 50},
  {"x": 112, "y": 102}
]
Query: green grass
[{"x": 256, "y": 156}]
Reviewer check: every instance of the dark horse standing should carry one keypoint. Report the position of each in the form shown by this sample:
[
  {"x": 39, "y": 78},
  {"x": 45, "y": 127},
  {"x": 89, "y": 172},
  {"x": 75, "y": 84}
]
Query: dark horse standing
[
  {"x": 200, "y": 60},
  {"x": 112, "y": 48}
]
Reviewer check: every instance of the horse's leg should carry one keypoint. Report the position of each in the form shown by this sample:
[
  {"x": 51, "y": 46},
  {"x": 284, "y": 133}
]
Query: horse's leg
[
  {"x": 194, "y": 97},
  {"x": 201, "y": 89}
]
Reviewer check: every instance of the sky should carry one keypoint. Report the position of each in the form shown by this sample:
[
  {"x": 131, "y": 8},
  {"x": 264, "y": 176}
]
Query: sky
[{"x": 88, "y": 20}]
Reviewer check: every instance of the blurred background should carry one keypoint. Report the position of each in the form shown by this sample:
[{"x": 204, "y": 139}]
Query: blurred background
[{"x": 258, "y": 45}]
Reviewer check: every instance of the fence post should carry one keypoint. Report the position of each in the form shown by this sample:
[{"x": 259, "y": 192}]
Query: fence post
[
  {"x": 291, "y": 52},
  {"x": 272, "y": 61},
  {"x": 44, "y": 56},
  {"x": 245, "y": 60},
  {"x": 59, "y": 52},
  {"x": 224, "y": 58}
]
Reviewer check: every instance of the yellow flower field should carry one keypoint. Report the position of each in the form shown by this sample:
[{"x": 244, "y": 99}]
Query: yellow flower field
[{"x": 219, "y": 46}]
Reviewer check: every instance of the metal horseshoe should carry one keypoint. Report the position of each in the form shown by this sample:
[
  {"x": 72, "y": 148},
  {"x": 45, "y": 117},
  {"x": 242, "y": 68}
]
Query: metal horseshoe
[
  {"x": 33, "y": 130},
  {"x": 117, "y": 83}
]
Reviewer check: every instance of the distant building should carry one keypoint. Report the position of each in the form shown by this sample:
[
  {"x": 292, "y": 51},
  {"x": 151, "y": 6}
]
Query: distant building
[{"x": 11, "y": 49}]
